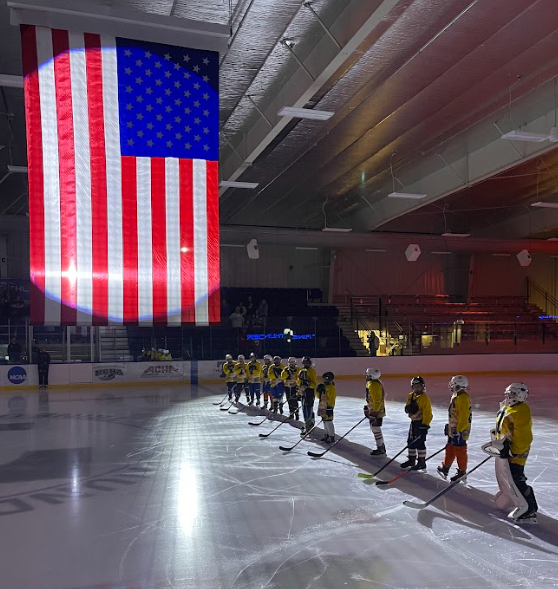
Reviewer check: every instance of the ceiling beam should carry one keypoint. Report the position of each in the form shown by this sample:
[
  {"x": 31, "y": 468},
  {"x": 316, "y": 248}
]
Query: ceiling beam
[{"x": 9, "y": 81}]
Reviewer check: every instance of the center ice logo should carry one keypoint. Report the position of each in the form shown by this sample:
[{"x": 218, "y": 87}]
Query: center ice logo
[{"x": 17, "y": 375}]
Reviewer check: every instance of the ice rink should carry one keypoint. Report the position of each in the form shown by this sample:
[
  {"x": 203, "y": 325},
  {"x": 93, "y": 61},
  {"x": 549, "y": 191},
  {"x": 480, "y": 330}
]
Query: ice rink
[{"x": 156, "y": 488}]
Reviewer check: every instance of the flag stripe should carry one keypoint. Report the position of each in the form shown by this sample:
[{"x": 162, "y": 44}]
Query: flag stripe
[
  {"x": 83, "y": 179},
  {"x": 99, "y": 236},
  {"x": 187, "y": 241},
  {"x": 130, "y": 237},
  {"x": 35, "y": 174},
  {"x": 47, "y": 93},
  {"x": 60, "y": 46},
  {"x": 159, "y": 240},
  {"x": 174, "y": 253},
  {"x": 200, "y": 241},
  {"x": 145, "y": 250},
  {"x": 213, "y": 268},
  {"x": 114, "y": 178}
]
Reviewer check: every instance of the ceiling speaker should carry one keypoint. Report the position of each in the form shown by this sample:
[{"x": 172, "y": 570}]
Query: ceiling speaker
[
  {"x": 524, "y": 258},
  {"x": 253, "y": 250},
  {"x": 412, "y": 253}
]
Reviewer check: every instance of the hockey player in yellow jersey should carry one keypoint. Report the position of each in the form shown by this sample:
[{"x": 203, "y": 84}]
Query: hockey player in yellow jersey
[
  {"x": 241, "y": 371},
  {"x": 458, "y": 428},
  {"x": 290, "y": 376},
  {"x": 510, "y": 444},
  {"x": 254, "y": 376},
  {"x": 276, "y": 383},
  {"x": 307, "y": 382},
  {"x": 326, "y": 403},
  {"x": 419, "y": 410},
  {"x": 375, "y": 408},
  {"x": 230, "y": 374},
  {"x": 266, "y": 384}
]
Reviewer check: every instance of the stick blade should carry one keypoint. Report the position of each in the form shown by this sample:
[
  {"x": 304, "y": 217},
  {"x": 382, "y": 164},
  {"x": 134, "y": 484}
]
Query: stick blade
[
  {"x": 415, "y": 505},
  {"x": 285, "y": 449},
  {"x": 263, "y": 435},
  {"x": 379, "y": 483},
  {"x": 224, "y": 408},
  {"x": 364, "y": 475},
  {"x": 315, "y": 455},
  {"x": 252, "y": 423}
]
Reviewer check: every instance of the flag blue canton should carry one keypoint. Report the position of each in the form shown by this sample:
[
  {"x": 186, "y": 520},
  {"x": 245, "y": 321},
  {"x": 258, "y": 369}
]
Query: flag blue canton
[{"x": 168, "y": 101}]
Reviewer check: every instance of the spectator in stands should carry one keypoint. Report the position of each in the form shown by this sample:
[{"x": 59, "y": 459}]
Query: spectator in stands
[
  {"x": 242, "y": 309},
  {"x": 225, "y": 310},
  {"x": 263, "y": 309},
  {"x": 250, "y": 309},
  {"x": 44, "y": 365},
  {"x": 256, "y": 322},
  {"x": 237, "y": 318},
  {"x": 373, "y": 343},
  {"x": 14, "y": 351}
]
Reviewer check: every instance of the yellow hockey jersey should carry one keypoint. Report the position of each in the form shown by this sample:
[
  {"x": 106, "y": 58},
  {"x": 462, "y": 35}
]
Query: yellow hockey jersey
[
  {"x": 290, "y": 375},
  {"x": 241, "y": 370},
  {"x": 515, "y": 424},
  {"x": 254, "y": 371},
  {"x": 265, "y": 371},
  {"x": 274, "y": 374},
  {"x": 307, "y": 378},
  {"x": 326, "y": 400},
  {"x": 375, "y": 398},
  {"x": 460, "y": 414},
  {"x": 424, "y": 412},
  {"x": 228, "y": 370}
]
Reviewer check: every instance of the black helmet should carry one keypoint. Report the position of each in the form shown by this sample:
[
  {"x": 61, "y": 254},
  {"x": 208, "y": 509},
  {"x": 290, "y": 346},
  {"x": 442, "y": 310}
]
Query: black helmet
[
  {"x": 418, "y": 380},
  {"x": 328, "y": 376}
]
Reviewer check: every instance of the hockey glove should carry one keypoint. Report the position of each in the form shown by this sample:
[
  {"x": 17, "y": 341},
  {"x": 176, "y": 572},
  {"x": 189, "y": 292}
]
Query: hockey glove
[
  {"x": 305, "y": 383},
  {"x": 366, "y": 411},
  {"x": 329, "y": 413},
  {"x": 321, "y": 389},
  {"x": 446, "y": 429},
  {"x": 411, "y": 408}
]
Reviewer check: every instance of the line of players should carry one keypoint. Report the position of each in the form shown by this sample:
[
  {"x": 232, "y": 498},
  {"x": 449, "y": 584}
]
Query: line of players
[{"x": 510, "y": 440}]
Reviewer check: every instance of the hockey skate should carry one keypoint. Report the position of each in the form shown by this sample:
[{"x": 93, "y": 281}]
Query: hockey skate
[
  {"x": 527, "y": 518},
  {"x": 443, "y": 472},
  {"x": 420, "y": 465},
  {"x": 460, "y": 475},
  {"x": 410, "y": 462},
  {"x": 379, "y": 451}
]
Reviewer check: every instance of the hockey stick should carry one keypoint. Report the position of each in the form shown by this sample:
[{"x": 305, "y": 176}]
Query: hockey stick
[
  {"x": 316, "y": 455},
  {"x": 266, "y": 417},
  {"x": 365, "y": 475},
  {"x": 223, "y": 408},
  {"x": 409, "y": 469},
  {"x": 222, "y": 400},
  {"x": 277, "y": 427},
  {"x": 285, "y": 449},
  {"x": 443, "y": 491}
]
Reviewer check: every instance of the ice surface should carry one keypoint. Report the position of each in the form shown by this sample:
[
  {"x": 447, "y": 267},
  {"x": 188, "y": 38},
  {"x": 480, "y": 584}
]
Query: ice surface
[{"x": 157, "y": 488}]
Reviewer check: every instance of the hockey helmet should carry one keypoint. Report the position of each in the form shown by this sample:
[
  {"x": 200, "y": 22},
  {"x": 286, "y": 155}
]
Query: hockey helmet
[
  {"x": 418, "y": 382},
  {"x": 328, "y": 377},
  {"x": 458, "y": 383},
  {"x": 267, "y": 359},
  {"x": 515, "y": 393},
  {"x": 228, "y": 358},
  {"x": 291, "y": 361},
  {"x": 277, "y": 359},
  {"x": 372, "y": 374},
  {"x": 252, "y": 356},
  {"x": 307, "y": 361},
  {"x": 241, "y": 358}
]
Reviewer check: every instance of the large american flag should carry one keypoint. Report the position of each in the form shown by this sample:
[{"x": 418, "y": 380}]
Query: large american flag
[{"x": 123, "y": 183}]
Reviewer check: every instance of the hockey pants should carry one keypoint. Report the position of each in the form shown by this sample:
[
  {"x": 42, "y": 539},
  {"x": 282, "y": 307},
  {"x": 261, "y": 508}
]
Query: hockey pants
[
  {"x": 239, "y": 387},
  {"x": 417, "y": 447},
  {"x": 230, "y": 390},
  {"x": 292, "y": 399},
  {"x": 453, "y": 452},
  {"x": 254, "y": 388},
  {"x": 308, "y": 408}
]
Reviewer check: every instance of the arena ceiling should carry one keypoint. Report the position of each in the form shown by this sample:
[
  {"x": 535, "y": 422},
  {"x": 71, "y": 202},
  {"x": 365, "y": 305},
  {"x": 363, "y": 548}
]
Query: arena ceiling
[{"x": 422, "y": 91}]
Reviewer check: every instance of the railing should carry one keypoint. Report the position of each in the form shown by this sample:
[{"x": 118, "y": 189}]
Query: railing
[{"x": 542, "y": 299}]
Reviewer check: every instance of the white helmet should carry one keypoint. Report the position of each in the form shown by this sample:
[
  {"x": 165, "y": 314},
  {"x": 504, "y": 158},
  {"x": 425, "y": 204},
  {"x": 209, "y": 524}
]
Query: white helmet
[
  {"x": 458, "y": 383},
  {"x": 228, "y": 357},
  {"x": 252, "y": 356},
  {"x": 241, "y": 358},
  {"x": 372, "y": 374},
  {"x": 515, "y": 393},
  {"x": 291, "y": 361},
  {"x": 267, "y": 359}
]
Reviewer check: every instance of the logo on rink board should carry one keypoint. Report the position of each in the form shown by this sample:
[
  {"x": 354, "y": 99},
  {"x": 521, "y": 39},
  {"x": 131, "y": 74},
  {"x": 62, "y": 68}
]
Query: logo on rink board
[
  {"x": 108, "y": 373},
  {"x": 17, "y": 375},
  {"x": 161, "y": 370}
]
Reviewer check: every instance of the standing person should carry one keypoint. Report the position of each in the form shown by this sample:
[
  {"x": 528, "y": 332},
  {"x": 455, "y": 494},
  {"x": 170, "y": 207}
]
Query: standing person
[
  {"x": 511, "y": 443},
  {"x": 307, "y": 382},
  {"x": 326, "y": 403},
  {"x": 375, "y": 408},
  {"x": 241, "y": 371},
  {"x": 276, "y": 383},
  {"x": 44, "y": 365},
  {"x": 458, "y": 428},
  {"x": 289, "y": 376},
  {"x": 237, "y": 319},
  {"x": 266, "y": 383},
  {"x": 419, "y": 410},
  {"x": 35, "y": 351},
  {"x": 14, "y": 351},
  {"x": 254, "y": 376},
  {"x": 373, "y": 343},
  {"x": 230, "y": 374},
  {"x": 263, "y": 308}
]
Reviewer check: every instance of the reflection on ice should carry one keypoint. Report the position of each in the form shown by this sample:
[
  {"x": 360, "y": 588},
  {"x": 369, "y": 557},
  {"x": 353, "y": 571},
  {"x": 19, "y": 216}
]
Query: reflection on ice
[{"x": 187, "y": 499}]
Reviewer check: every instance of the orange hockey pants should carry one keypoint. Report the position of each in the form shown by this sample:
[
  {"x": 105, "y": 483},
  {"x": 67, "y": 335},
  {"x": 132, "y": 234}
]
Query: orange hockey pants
[{"x": 453, "y": 452}]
